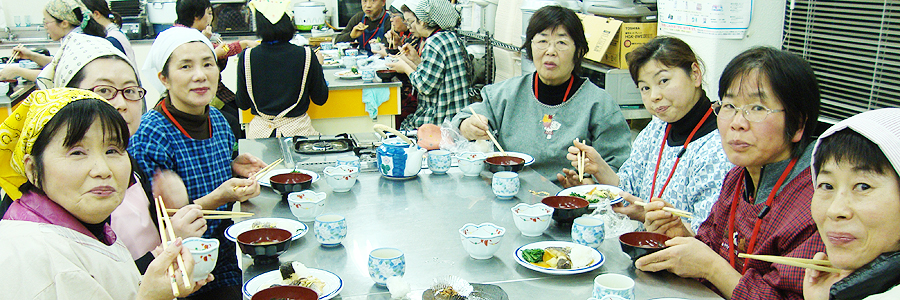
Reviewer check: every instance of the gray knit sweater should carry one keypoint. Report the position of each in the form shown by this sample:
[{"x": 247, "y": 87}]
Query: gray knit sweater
[{"x": 523, "y": 124}]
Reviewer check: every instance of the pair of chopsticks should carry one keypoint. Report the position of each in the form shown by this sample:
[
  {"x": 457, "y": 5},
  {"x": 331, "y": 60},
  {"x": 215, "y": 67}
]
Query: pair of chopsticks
[
  {"x": 262, "y": 172},
  {"x": 488, "y": 131},
  {"x": 217, "y": 214},
  {"x": 674, "y": 211},
  {"x": 165, "y": 226},
  {"x": 580, "y": 165},
  {"x": 815, "y": 264},
  {"x": 12, "y": 57}
]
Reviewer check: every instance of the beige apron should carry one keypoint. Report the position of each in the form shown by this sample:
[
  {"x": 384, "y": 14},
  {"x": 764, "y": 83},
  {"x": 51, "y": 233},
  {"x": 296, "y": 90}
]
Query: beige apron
[{"x": 262, "y": 125}]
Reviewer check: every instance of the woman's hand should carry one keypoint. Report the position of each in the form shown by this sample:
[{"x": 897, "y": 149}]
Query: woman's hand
[
  {"x": 168, "y": 185},
  {"x": 359, "y": 29},
  {"x": 663, "y": 222},
  {"x": 156, "y": 283},
  {"x": 474, "y": 127},
  {"x": 569, "y": 178},
  {"x": 689, "y": 257},
  {"x": 188, "y": 221},
  {"x": 633, "y": 211},
  {"x": 817, "y": 284},
  {"x": 239, "y": 189},
  {"x": 10, "y": 72},
  {"x": 401, "y": 66},
  {"x": 392, "y": 38},
  {"x": 207, "y": 31},
  {"x": 410, "y": 53},
  {"x": 246, "y": 164}
]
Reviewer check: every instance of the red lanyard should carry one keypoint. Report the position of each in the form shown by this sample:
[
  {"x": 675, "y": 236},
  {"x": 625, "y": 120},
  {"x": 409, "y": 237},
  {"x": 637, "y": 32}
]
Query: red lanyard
[
  {"x": 565, "y": 97},
  {"x": 166, "y": 110},
  {"x": 677, "y": 159},
  {"x": 366, "y": 41},
  {"x": 762, "y": 214}
]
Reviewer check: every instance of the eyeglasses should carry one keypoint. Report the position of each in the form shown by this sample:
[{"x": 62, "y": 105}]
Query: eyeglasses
[
  {"x": 752, "y": 112},
  {"x": 133, "y": 93},
  {"x": 543, "y": 44}
]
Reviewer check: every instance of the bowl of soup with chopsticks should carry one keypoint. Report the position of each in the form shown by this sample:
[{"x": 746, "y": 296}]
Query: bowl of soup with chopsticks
[
  {"x": 640, "y": 243},
  {"x": 504, "y": 163}
]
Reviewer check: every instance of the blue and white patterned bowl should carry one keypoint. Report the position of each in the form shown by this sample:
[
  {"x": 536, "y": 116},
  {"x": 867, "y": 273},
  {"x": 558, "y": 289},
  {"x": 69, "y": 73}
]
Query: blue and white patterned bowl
[
  {"x": 385, "y": 263},
  {"x": 505, "y": 184},
  {"x": 330, "y": 229},
  {"x": 588, "y": 231},
  {"x": 439, "y": 161}
]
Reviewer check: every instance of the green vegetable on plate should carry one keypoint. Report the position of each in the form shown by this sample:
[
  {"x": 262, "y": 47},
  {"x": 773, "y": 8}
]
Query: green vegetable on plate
[{"x": 533, "y": 255}]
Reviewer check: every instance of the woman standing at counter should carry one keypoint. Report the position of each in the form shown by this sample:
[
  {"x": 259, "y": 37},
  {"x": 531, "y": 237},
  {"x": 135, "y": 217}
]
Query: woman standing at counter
[
  {"x": 769, "y": 108},
  {"x": 541, "y": 113},
  {"x": 112, "y": 23},
  {"x": 61, "y": 18},
  {"x": 440, "y": 75},
  {"x": 668, "y": 75},
  {"x": 279, "y": 94},
  {"x": 184, "y": 134}
]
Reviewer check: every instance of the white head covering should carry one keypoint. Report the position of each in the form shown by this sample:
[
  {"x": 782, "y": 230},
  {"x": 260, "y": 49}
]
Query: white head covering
[
  {"x": 398, "y": 4},
  {"x": 439, "y": 12},
  {"x": 881, "y": 126},
  {"x": 272, "y": 9},
  {"x": 163, "y": 47},
  {"x": 80, "y": 49}
]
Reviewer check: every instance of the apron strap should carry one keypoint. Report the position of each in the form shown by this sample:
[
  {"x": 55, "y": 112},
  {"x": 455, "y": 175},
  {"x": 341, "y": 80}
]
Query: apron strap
[{"x": 249, "y": 81}]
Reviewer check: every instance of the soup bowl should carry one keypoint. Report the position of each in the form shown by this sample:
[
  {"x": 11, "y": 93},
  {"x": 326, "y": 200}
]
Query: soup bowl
[
  {"x": 504, "y": 163},
  {"x": 640, "y": 243},
  {"x": 290, "y": 182},
  {"x": 264, "y": 244},
  {"x": 566, "y": 208}
]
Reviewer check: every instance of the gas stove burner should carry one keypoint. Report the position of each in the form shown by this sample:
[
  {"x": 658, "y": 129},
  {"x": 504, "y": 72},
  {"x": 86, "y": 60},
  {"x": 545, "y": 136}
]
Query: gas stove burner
[{"x": 322, "y": 146}]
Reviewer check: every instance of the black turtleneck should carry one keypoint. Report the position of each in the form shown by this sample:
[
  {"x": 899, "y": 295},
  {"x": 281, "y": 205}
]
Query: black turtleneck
[
  {"x": 197, "y": 126},
  {"x": 553, "y": 94},
  {"x": 682, "y": 128},
  {"x": 97, "y": 229}
]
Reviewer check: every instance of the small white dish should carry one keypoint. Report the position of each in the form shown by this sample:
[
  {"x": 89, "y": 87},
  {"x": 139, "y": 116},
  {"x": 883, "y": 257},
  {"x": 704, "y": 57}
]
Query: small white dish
[
  {"x": 296, "y": 227},
  {"x": 347, "y": 74},
  {"x": 333, "y": 283}
]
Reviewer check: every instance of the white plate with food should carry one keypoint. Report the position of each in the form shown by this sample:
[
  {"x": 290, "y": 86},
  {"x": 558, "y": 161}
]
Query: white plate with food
[
  {"x": 297, "y": 228},
  {"x": 593, "y": 193},
  {"x": 330, "y": 64},
  {"x": 265, "y": 180},
  {"x": 347, "y": 74},
  {"x": 333, "y": 283},
  {"x": 528, "y": 159},
  {"x": 581, "y": 258}
]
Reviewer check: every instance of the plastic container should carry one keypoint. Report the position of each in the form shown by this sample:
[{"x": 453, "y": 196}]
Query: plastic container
[{"x": 161, "y": 12}]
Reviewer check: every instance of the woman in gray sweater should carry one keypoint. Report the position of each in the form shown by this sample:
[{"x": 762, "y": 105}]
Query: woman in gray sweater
[{"x": 542, "y": 113}]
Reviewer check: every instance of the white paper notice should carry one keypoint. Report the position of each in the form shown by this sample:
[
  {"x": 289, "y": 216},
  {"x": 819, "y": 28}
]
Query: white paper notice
[{"x": 724, "y": 19}]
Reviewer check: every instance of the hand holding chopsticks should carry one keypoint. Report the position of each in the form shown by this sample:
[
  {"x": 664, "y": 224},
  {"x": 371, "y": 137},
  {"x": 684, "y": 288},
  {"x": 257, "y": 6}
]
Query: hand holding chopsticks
[
  {"x": 488, "y": 131},
  {"x": 262, "y": 172},
  {"x": 217, "y": 214},
  {"x": 674, "y": 211},
  {"x": 580, "y": 165},
  {"x": 815, "y": 264},
  {"x": 165, "y": 227}
]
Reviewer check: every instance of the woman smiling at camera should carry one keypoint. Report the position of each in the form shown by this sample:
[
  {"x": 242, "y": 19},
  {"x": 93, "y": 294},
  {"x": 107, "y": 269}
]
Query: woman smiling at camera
[
  {"x": 70, "y": 145},
  {"x": 857, "y": 208},
  {"x": 541, "y": 113},
  {"x": 769, "y": 107},
  {"x": 661, "y": 165}
]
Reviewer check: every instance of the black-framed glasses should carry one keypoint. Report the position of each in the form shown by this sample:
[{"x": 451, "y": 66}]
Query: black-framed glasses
[
  {"x": 133, "y": 93},
  {"x": 752, "y": 112}
]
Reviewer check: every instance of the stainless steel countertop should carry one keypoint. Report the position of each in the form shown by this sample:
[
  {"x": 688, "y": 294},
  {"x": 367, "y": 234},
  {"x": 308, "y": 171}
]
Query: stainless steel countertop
[{"x": 422, "y": 216}]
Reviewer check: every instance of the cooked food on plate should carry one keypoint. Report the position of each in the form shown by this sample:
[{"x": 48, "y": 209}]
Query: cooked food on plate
[
  {"x": 559, "y": 257},
  {"x": 262, "y": 224},
  {"x": 295, "y": 273},
  {"x": 595, "y": 195}
]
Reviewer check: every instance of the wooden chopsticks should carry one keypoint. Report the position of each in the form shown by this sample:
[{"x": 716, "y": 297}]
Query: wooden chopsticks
[
  {"x": 674, "y": 211},
  {"x": 165, "y": 226},
  {"x": 218, "y": 214},
  {"x": 262, "y": 172},
  {"x": 488, "y": 131},
  {"x": 580, "y": 165},
  {"x": 815, "y": 264},
  {"x": 12, "y": 57}
]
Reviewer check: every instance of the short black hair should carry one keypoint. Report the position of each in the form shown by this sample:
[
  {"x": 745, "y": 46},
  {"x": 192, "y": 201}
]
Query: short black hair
[
  {"x": 550, "y": 17},
  {"x": 282, "y": 31},
  {"x": 669, "y": 51},
  {"x": 79, "y": 76},
  {"x": 187, "y": 10},
  {"x": 102, "y": 7},
  {"x": 74, "y": 120},
  {"x": 793, "y": 82},
  {"x": 848, "y": 146}
]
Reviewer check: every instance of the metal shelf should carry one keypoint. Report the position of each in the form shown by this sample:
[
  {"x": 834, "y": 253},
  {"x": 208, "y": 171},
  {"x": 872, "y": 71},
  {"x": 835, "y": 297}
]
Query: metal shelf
[{"x": 485, "y": 36}]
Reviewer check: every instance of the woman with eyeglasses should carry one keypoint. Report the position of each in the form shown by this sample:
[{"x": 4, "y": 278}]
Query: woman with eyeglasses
[
  {"x": 677, "y": 160},
  {"x": 768, "y": 109},
  {"x": 542, "y": 113}
]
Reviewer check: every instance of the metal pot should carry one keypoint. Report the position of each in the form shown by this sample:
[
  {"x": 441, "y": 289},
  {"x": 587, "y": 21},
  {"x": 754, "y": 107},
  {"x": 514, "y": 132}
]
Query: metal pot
[{"x": 309, "y": 14}]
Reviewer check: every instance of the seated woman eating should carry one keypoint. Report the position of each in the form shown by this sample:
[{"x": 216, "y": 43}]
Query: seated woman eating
[
  {"x": 541, "y": 113},
  {"x": 71, "y": 148},
  {"x": 769, "y": 107},
  {"x": 669, "y": 76},
  {"x": 856, "y": 207}
]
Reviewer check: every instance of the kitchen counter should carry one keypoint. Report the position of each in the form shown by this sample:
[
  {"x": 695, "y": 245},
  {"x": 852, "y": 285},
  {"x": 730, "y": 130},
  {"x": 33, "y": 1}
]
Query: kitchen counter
[{"x": 421, "y": 217}]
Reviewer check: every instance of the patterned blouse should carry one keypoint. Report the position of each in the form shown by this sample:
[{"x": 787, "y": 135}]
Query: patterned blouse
[{"x": 440, "y": 80}]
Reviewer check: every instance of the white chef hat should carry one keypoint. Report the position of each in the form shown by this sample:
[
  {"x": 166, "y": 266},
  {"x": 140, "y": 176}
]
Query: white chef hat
[
  {"x": 881, "y": 126},
  {"x": 162, "y": 48}
]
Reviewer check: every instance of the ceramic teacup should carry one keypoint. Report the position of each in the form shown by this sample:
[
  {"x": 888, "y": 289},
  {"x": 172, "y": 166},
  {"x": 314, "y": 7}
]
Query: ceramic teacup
[
  {"x": 385, "y": 263},
  {"x": 330, "y": 229},
  {"x": 481, "y": 241},
  {"x": 326, "y": 45},
  {"x": 341, "y": 178},
  {"x": 368, "y": 74},
  {"x": 471, "y": 163},
  {"x": 588, "y": 231},
  {"x": 205, "y": 253},
  {"x": 306, "y": 205},
  {"x": 532, "y": 219},
  {"x": 613, "y": 284},
  {"x": 505, "y": 184},
  {"x": 439, "y": 161},
  {"x": 351, "y": 160}
]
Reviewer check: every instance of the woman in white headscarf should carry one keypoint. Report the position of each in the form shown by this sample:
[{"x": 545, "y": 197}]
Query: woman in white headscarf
[
  {"x": 61, "y": 19},
  {"x": 440, "y": 74}
]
